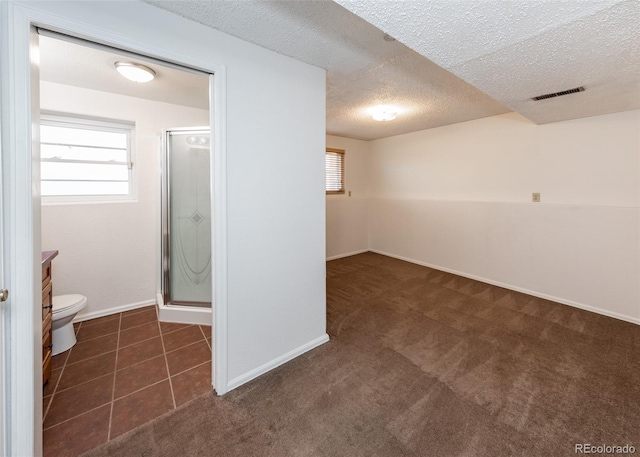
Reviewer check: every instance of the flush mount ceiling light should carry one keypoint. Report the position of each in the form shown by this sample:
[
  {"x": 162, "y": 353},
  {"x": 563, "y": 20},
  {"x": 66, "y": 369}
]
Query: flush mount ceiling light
[
  {"x": 135, "y": 72},
  {"x": 384, "y": 113}
]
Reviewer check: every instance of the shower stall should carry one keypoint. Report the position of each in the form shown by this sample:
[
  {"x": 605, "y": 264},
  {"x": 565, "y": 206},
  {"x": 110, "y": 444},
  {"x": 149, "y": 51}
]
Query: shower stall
[{"x": 186, "y": 256}]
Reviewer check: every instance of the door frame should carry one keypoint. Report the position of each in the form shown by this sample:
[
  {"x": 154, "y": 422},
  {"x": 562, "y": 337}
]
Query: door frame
[{"x": 21, "y": 198}]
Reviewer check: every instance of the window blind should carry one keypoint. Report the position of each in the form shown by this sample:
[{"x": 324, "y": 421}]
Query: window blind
[{"x": 334, "y": 168}]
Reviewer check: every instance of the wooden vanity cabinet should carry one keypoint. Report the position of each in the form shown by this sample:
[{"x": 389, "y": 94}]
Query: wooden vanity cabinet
[{"x": 47, "y": 306}]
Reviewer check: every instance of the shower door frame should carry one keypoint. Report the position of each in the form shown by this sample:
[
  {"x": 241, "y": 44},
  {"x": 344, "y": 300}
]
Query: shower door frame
[{"x": 165, "y": 212}]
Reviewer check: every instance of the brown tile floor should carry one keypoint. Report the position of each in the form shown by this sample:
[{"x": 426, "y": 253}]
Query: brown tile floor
[{"x": 126, "y": 370}]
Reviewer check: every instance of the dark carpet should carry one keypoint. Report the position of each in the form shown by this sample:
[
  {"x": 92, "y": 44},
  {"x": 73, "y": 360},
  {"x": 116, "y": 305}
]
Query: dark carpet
[{"x": 423, "y": 363}]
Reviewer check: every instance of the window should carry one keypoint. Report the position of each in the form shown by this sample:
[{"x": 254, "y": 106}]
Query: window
[
  {"x": 85, "y": 160},
  {"x": 334, "y": 168}
]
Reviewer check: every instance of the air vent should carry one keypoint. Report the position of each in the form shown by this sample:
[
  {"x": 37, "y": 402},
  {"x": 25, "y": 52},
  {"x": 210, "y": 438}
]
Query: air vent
[{"x": 558, "y": 94}]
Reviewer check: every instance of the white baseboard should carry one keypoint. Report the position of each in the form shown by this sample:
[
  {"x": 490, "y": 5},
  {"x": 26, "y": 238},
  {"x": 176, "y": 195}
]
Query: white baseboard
[
  {"x": 114, "y": 310},
  {"x": 348, "y": 254},
  {"x": 533, "y": 293},
  {"x": 262, "y": 369}
]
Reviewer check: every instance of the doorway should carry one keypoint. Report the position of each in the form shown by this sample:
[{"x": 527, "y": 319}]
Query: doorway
[
  {"x": 22, "y": 208},
  {"x": 99, "y": 153}
]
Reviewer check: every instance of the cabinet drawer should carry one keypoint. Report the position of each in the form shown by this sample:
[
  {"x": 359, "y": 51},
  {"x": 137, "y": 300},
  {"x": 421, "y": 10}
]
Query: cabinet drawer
[
  {"x": 46, "y": 275},
  {"x": 47, "y": 348},
  {"x": 47, "y": 300},
  {"x": 46, "y": 328}
]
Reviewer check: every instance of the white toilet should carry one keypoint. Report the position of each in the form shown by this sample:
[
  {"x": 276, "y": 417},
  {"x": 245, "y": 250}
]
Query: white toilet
[{"x": 65, "y": 308}]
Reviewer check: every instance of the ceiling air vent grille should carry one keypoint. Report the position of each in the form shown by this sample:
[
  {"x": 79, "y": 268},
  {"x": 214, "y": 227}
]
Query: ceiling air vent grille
[{"x": 558, "y": 94}]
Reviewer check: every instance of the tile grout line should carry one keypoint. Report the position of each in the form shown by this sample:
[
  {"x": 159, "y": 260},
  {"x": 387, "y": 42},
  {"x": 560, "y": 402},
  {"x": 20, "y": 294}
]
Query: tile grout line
[
  {"x": 193, "y": 343},
  {"x": 129, "y": 328},
  {"x": 58, "y": 390},
  {"x": 177, "y": 329},
  {"x": 119, "y": 398},
  {"x": 166, "y": 362},
  {"x": 137, "y": 363},
  {"x": 141, "y": 389},
  {"x": 113, "y": 385},
  {"x": 140, "y": 324},
  {"x": 89, "y": 324},
  {"x": 75, "y": 417},
  {"x": 91, "y": 357},
  {"x": 111, "y": 403},
  {"x": 92, "y": 322},
  {"x": 124, "y": 396},
  {"x": 97, "y": 337},
  {"x": 191, "y": 368},
  {"x": 116, "y": 350},
  {"x": 114, "y": 316},
  {"x": 138, "y": 342},
  {"x": 205, "y": 337},
  {"x": 134, "y": 311},
  {"x": 117, "y": 331},
  {"x": 55, "y": 388}
]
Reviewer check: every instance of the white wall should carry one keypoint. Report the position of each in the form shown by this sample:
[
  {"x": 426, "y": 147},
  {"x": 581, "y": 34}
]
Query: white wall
[
  {"x": 108, "y": 251},
  {"x": 275, "y": 271},
  {"x": 459, "y": 198},
  {"x": 347, "y": 224}
]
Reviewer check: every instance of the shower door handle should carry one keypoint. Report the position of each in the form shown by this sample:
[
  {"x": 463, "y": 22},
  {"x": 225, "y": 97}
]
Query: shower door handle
[{"x": 4, "y": 295}]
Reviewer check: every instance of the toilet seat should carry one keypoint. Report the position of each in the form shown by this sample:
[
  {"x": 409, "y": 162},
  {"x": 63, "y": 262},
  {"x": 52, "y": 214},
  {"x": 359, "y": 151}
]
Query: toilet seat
[{"x": 64, "y": 302}]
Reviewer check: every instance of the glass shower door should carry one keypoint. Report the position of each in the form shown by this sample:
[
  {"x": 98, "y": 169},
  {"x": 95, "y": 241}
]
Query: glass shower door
[{"x": 187, "y": 222}]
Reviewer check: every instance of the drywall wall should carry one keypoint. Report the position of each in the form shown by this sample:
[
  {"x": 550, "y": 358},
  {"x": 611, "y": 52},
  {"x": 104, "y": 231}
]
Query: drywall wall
[
  {"x": 275, "y": 251},
  {"x": 108, "y": 251},
  {"x": 459, "y": 198},
  {"x": 347, "y": 224}
]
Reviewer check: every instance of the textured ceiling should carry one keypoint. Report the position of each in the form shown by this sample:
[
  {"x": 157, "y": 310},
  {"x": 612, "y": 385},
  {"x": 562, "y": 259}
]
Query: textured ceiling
[
  {"x": 82, "y": 66},
  {"x": 462, "y": 60},
  {"x": 518, "y": 49},
  {"x": 363, "y": 69}
]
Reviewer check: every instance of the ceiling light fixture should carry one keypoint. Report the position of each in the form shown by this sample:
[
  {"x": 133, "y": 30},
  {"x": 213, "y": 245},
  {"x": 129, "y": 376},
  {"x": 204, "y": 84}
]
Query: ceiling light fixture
[
  {"x": 135, "y": 72},
  {"x": 384, "y": 113},
  {"x": 197, "y": 140}
]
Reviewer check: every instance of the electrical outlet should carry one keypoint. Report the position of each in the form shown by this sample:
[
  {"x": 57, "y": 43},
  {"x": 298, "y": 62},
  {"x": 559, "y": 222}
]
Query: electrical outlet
[
  {"x": 349, "y": 193},
  {"x": 535, "y": 197}
]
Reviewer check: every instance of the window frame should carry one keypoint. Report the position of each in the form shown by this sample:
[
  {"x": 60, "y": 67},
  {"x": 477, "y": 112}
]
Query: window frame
[
  {"x": 76, "y": 121},
  {"x": 341, "y": 154}
]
